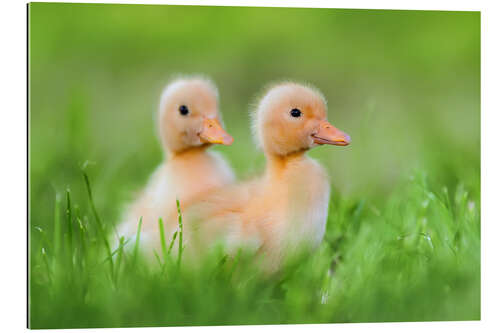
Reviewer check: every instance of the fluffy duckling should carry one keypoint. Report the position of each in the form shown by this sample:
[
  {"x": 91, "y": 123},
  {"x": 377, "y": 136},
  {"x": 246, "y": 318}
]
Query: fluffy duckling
[
  {"x": 189, "y": 122},
  {"x": 287, "y": 207}
]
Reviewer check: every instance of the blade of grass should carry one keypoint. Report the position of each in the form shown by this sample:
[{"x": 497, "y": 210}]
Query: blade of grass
[
  {"x": 47, "y": 266},
  {"x": 162, "y": 239},
  {"x": 100, "y": 227},
  {"x": 181, "y": 231},
  {"x": 57, "y": 225},
  {"x": 43, "y": 245},
  {"x": 158, "y": 259},
  {"x": 115, "y": 251},
  {"x": 236, "y": 261},
  {"x": 172, "y": 243},
  {"x": 137, "y": 240},
  {"x": 119, "y": 259},
  {"x": 82, "y": 232},
  {"x": 79, "y": 237},
  {"x": 69, "y": 225},
  {"x": 44, "y": 241}
]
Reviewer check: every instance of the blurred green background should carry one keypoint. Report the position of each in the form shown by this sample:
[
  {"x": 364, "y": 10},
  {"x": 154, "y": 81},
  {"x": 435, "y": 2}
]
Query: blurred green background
[{"x": 404, "y": 84}]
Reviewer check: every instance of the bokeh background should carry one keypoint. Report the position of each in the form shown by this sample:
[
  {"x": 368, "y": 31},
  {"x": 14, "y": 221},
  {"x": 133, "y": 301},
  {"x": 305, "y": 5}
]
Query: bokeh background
[{"x": 404, "y": 84}]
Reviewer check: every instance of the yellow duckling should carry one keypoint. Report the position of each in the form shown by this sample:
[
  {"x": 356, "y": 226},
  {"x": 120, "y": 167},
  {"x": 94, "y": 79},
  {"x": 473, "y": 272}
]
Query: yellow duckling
[
  {"x": 287, "y": 207},
  {"x": 189, "y": 122}
]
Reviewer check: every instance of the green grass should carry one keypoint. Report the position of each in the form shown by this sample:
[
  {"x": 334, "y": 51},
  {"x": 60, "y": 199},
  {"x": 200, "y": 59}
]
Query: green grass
[
  {"x": 403, "y": 232},
  {"x": 415, "y": 258}
]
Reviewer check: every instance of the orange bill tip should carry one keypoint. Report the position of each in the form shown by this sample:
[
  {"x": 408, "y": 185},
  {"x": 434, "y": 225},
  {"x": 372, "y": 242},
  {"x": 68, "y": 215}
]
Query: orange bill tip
[
  {"x": 212, "y": 132},
  {"x": 330, "y": 135}
]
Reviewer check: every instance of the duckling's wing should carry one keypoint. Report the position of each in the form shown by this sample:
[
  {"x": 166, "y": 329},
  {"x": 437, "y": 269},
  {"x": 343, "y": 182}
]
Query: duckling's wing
[{"x": 221, "y": 217}]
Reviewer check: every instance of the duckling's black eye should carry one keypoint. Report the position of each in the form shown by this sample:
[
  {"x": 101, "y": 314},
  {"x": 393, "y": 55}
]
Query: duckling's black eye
[
  {"x": 183, "y": 110},
  {"x": 295, "y": 113}
]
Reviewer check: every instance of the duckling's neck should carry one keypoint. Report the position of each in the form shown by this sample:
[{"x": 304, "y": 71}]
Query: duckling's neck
[
  {"x": 187, "y": 153},
  {"x": 278, "y": 164}
]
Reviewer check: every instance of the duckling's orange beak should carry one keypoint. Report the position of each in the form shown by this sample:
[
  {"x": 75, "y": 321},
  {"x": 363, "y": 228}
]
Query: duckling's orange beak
[
  {"x": 212, "y": 132},
  {"x": 330, "y": 135}
]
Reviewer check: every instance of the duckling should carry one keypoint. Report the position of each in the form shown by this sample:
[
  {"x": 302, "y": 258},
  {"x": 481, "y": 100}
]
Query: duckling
[
  {"x": 189, "y": 122},
  {"x": 286, "y": 208}
]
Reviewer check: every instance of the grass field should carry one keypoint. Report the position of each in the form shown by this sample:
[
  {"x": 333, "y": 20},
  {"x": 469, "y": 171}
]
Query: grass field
[{"x": 403, "y": 232}]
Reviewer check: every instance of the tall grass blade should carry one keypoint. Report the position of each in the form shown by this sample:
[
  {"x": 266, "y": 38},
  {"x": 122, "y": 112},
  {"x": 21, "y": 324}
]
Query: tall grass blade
[
  {"x": 181, "y": 231},
  {"x": 137, "y": 240},
  {"x": 43, "y": 246},
  {"x": 100, "y": 227},
  {"x": 158, "y": 259},
  {"x": 119, "y": 259},
  {"x": 69, "y": 225},
  {"x": 57, "y": 225},
  {"x": 162, "y": 239},
  {"x": 120, "y": 246},
  {"x": 47, "y": 266},
  {"x": 83, "y": 248},
  {"x": 172, "y": 242}
]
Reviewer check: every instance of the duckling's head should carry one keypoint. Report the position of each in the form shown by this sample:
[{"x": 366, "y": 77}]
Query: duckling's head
[
  {"x": 292, "y": 117},
  {"x": 189, "y": 115}
]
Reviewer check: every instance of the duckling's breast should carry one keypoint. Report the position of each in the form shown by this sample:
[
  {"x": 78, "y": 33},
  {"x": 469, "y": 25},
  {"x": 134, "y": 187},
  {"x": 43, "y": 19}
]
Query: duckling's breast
[{"x": 308, "y": 195}]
